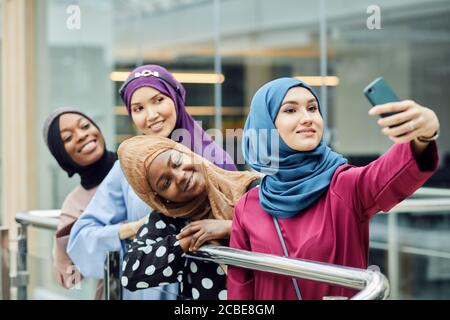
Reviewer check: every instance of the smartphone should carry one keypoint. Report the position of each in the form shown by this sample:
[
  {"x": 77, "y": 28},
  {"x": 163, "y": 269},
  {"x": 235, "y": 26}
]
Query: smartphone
[{"x": 380, "y": 92}]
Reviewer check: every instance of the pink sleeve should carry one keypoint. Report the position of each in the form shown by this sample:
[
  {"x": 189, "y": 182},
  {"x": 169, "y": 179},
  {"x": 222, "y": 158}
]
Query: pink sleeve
[
  {"x": 67, "y": 274},
  {"x": 240, "y": 282},
  {"x": 385, "y": 182}
]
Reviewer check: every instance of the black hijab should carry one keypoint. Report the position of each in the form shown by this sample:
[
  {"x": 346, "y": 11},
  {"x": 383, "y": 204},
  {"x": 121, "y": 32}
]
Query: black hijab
[{"x": 92, "y": 175}]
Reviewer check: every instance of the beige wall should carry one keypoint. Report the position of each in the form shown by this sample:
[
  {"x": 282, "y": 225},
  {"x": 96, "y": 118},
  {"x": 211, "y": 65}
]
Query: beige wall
[{"x": 18, "y": 121}]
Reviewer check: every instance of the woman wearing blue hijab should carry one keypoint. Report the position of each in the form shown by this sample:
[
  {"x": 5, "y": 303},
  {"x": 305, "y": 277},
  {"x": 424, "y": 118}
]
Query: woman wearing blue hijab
[{"x": 312, "y": 204}]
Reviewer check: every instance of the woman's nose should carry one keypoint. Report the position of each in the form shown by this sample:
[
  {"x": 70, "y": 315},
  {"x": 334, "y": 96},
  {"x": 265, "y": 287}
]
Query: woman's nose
[
  {"x": 180, "y": 175},
  {"x": 81, "y": 135},
  {"x": 305, "y": 116},
  {"x": 151, "y": 113}
]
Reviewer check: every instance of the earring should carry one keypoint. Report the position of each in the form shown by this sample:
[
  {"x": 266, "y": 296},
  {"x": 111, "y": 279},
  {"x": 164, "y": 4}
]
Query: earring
[{"x": 167, "y": 201}]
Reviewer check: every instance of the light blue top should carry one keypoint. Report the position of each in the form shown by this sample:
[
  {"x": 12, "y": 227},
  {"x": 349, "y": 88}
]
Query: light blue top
[{"x": 97, "y": 231}]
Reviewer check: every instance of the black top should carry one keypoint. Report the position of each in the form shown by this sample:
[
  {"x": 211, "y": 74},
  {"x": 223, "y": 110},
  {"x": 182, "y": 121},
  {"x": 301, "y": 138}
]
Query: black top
[{"x": 155, "y": 258}]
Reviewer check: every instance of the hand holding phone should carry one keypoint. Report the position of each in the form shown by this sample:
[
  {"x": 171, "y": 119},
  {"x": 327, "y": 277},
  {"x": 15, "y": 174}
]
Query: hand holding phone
[{"x": 416, "y": 120}]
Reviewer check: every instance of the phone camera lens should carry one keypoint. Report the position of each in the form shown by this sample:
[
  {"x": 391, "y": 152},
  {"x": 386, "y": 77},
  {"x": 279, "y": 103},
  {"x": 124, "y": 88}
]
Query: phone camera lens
[{"x": 370, "y": 90}]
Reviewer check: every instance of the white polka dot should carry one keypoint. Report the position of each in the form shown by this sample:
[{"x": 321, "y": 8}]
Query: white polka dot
[
  {"x": 180, "y": 278},
  {"x": 160, "y": 224},
  {"x": 124, "y": 281},
  {"x": 181, "y": 287},
  {"x": 135, "y": 265},
  {"x": 150, "y": 270},
  {"x": 207, "y": 283},
  {"x": 195, "y": 294},
  {"x": 170, "y": 258},
  {"x": 149, "y": 242},
  {"x": 124, "y": 265},
  {"x": 223, "y": 295},
  {"x": 148, "y": 249},
  {"x": 147, "y": 219},
  {"x": 189, "y": 278},
  {"x": 220, "y": 271},
  {"x": 163, "y": 284},
  {"x": 167, "y": 272},
  {"x": 172, "y": 226},
  {"x": 142, "y": 285},
  {"x": 143, "y": 232},
  {"x": 159, "y": 239},
  {"x": 161, "y": 251},
  {"x": 177, "y": 243},
  {"x": 193, "y": 267}
]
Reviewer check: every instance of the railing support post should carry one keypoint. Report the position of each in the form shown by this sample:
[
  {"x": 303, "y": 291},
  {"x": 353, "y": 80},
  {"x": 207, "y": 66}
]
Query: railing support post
[
  {"x": 113, "y": 289},
  {"x": 21, "y": 279},
  {"x": 5, "y": 293}
]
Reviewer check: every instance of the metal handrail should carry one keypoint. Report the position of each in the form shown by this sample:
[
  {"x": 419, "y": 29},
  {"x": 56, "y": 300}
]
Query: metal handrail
[
  {"x": 421, "y": 205},
  {"x": 434, "y": 192},
  {"x": 372, "y": 282},
  {"x": 111, "y": 267},
  {"x": 25, "y": 218}
]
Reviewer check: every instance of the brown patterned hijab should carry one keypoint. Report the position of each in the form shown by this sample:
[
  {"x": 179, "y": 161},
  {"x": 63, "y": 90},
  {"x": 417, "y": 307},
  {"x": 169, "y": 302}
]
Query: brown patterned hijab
[{"x": 224, "y": 188}]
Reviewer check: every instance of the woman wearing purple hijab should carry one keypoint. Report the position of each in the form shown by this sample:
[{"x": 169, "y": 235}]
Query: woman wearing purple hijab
[{"x": 155, "y": 102}]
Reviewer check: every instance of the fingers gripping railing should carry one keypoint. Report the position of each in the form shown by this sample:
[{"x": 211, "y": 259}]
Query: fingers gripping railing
[{"x": 372, "y": 282}]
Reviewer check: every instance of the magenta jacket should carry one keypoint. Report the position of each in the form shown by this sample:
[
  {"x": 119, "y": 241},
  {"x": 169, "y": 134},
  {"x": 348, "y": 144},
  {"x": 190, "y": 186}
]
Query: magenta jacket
[{"x": 333, "y": 230}]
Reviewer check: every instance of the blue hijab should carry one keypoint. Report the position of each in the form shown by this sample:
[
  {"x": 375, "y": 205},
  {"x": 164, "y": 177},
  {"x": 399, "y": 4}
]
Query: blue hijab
[{"x": 294, "y": 179}]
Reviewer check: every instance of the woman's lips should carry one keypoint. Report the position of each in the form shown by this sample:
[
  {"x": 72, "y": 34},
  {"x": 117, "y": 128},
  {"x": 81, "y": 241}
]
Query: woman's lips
[
  {"x": 157, "y": 126},
  {"x": 307, "y": 132},
  {"x": 88, "y": 147}
]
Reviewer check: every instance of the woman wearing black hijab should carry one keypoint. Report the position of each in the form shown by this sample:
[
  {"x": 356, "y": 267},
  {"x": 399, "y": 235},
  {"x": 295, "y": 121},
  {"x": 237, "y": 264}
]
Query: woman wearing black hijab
[{"x": 77, "y": 144}]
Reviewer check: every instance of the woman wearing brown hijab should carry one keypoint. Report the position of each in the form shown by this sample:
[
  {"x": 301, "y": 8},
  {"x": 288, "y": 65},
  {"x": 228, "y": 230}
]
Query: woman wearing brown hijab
[{"x": 195, "y": 200}]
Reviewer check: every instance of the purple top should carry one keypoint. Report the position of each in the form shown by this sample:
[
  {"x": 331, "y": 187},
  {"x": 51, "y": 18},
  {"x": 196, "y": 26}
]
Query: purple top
[{"x": 335, "y": 229}]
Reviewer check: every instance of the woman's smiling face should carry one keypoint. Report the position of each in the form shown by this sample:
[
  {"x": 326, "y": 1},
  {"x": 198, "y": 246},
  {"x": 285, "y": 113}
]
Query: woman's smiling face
[
  {"x": 82, "y": 140},
  {"x": 298, "y": 121},
  {"x": 152, "y": 112},
  {"x": 175, "y": 177}
]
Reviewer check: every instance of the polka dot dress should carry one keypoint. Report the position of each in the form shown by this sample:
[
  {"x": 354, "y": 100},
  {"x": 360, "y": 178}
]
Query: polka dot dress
[{"x": 156, "y": 258}]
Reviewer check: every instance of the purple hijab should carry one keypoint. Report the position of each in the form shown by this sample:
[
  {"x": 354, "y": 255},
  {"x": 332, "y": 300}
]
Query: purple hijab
[{"x": 162, "y": 80}]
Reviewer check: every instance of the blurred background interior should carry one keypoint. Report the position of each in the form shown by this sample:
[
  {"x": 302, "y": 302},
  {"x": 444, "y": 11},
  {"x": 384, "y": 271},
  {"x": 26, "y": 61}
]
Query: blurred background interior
[{"x": 223, "y": 51}]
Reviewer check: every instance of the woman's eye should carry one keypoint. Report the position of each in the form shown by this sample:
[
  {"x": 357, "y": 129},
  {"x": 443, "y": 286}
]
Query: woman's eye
[
  {"x": 67, "y": 139},
  {"x": 159, "y": 99},
  {"x": 289, "y": 110},
  {"x": 166, "y": 184},
  {"x": 86, "y": 126},
  {"x": 178, "y": 162},
  {"x": 312, "y": 108},
  {"x": 137, "y": 109}
]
